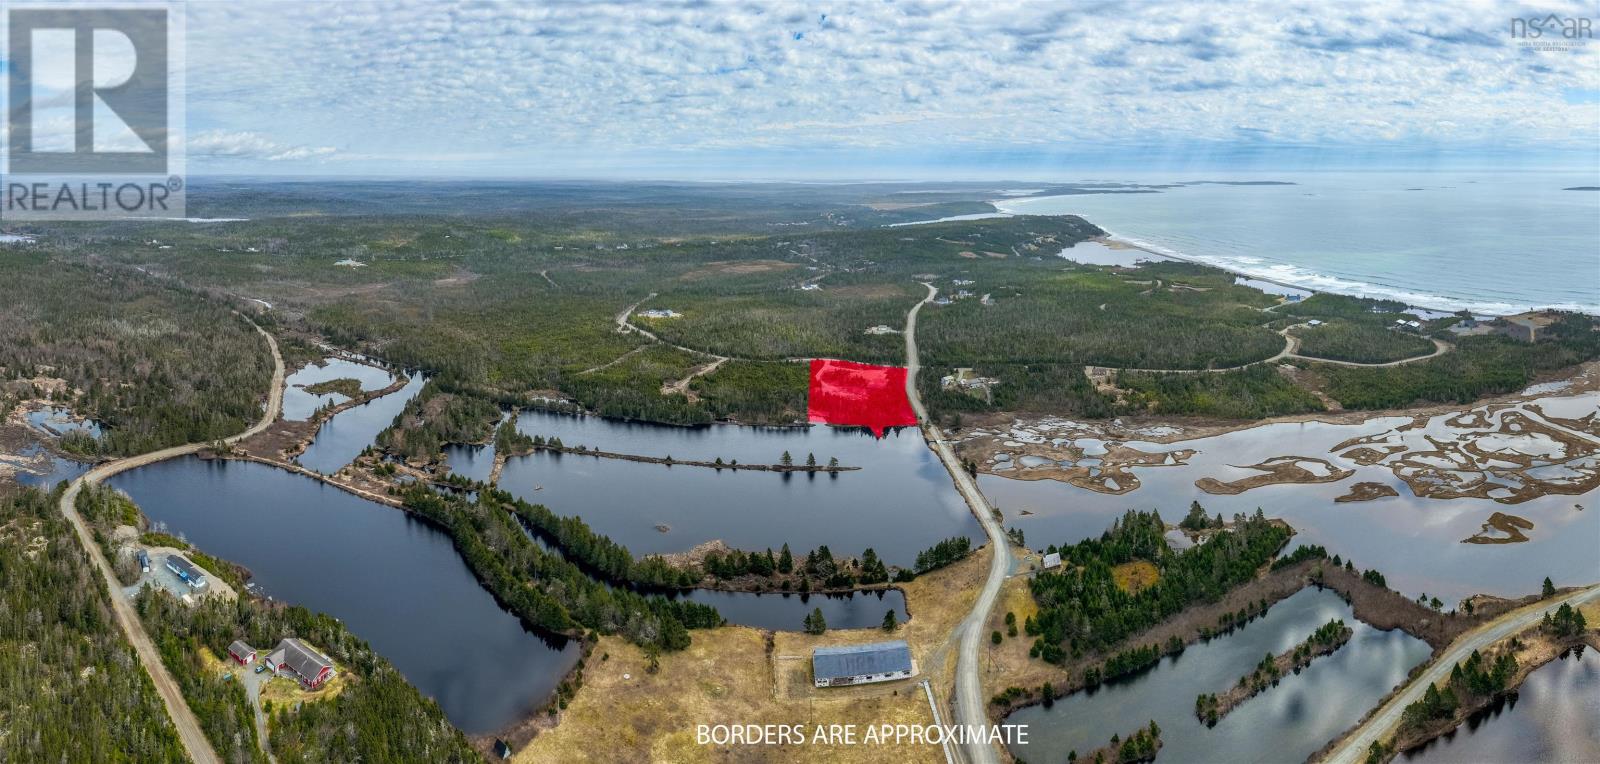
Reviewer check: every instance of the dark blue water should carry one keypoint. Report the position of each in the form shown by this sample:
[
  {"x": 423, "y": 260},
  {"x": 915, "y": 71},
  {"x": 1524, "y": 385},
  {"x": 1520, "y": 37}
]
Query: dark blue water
[
  {"x": 787, "y": 612},
  {"x": 901, "y": 502},
  {"x": 395, "y": 581},
  {"x": 475, "y": 462},
  {"x": 341, "y": 439},
  {"x": 1283, "y": 724}
]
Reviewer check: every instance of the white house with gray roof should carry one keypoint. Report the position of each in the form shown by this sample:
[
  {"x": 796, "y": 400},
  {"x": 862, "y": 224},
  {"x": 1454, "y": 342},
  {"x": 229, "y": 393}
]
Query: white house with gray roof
[
  {"x": 862, "y": 664},
  {"x": 187, "y": 572}
]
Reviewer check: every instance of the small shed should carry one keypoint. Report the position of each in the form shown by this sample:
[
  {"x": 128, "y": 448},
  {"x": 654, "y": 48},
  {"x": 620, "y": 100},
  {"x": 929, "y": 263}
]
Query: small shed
[
  {"x": 242, "y": 653},
  {"x": 502, "y": 749},
  {"x": 862, "y": 664},
  {"x": 1052, "y": 560}
]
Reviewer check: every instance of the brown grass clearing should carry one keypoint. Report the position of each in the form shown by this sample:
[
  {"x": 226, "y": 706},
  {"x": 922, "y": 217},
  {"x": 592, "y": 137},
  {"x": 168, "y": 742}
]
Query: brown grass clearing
[
  {"x": 1134, "y": 576},
  {"x": 736, "y": 268},
  {"x": 741, "y": 675}
]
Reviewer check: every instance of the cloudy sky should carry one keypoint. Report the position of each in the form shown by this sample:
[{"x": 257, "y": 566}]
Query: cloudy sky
[{"x": 872, "y": 89}]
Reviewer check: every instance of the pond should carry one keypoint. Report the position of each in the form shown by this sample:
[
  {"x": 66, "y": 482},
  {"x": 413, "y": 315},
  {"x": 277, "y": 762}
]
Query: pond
[
  {"x": 787, "y": 612},
  {"x": 299, "y": 405},
  {"x": 900, "y": 502},
  {"x": 1552, "y": 717},
  {"x": 60, "y": 468},
  {"x": 1098, "y": 253},
  {"x": 474, "y": 462},
  {"x": 1285, "y": 723},
  {"x": 1415, "y": 541},
  {"x": 1295, "y": 294},
  {"x": 59, "y": 421},
  {"x": 395, "y": 581},
  {"x": 342, "y": 438}
]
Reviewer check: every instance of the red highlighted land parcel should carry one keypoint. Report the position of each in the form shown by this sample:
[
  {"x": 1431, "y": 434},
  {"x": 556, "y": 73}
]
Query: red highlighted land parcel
[{"x": 859, "y": 394}]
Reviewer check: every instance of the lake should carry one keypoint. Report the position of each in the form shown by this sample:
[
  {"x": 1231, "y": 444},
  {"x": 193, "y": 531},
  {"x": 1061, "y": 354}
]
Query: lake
[
  {"x": 299, "y": 405},
  {"x": 395, "y": 581},
  {"x": 901, "y": 502},
  {"x": 342, "y": 438},
  {"x": 1283, "y": 724}
]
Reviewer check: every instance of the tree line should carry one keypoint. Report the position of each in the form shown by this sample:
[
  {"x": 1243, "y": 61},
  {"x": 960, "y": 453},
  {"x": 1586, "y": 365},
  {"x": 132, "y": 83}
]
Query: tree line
[
  {"x": 1471, "y": 681},
  {"x": 1081, "y": 609},
  {"x": 546, "y": 590}
]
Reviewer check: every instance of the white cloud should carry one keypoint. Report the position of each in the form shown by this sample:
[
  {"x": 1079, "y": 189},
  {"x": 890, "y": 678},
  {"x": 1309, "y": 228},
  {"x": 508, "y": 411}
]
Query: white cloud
[
  {"x": 250, "y": 145},
  {"x": 553, "y": 82}
]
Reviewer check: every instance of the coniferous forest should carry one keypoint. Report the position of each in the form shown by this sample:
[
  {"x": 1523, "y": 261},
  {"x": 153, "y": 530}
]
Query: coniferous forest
[
  {"x": 1082, "y": 609},
  {"x": 73, "y": 688},
  {"x": 156, "y": 363}
]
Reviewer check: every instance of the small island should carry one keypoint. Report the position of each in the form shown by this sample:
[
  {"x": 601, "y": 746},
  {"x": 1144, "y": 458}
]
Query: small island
[{"x": 349, "y": 388}]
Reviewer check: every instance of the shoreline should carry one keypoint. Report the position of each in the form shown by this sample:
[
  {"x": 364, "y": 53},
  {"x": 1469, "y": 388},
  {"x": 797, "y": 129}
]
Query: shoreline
[
  {"x": 1117, "y": 241},
  {"x": 1001, "y": 211}
]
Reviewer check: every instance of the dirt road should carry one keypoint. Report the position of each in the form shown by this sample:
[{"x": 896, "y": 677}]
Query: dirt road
[
  {"x": 1291, "y": 349},
  {"x": 194, "y": 740},
  {"x": 1354, "y": 747},
  {"x": 969, "y": 703}
]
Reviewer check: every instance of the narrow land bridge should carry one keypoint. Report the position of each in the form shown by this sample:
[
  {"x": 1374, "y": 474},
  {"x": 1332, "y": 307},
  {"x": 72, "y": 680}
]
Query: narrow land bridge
[{"x": 969, "y": 705}]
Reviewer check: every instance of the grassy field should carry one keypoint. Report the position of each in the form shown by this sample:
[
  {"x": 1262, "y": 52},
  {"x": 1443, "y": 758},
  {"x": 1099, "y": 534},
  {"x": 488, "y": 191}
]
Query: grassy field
[
  {"x": 739, "y": 675},
  {"x": 1135, "y": 575}
]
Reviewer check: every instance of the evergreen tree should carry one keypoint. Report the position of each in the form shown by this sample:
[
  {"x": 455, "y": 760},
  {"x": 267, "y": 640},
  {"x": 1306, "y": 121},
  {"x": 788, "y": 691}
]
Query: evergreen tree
[
  {"x": 889, "y": 622},
  {"x": 815, "y": 623}
]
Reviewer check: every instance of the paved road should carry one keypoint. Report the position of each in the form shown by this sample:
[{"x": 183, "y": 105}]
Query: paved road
[
  {"x": 194, "y": 740},
  {"x": 1354, "y": 748},
  {"x": 969, "y": 699}
]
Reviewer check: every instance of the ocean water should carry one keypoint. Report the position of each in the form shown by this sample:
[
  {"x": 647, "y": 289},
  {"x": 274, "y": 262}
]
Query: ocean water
[{"x": 1489, "y": 243}]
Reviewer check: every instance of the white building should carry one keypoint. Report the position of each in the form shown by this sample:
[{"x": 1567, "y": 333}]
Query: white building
[{"x": 862, "y": 664}]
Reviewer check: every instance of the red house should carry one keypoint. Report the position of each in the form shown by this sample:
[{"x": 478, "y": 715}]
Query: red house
[
  {"x": 292, "y": 656},
  {"x": 242, "y": 653}
]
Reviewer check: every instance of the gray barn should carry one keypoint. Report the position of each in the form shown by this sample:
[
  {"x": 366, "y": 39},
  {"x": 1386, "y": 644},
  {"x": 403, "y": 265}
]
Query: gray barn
[{"x": 862, "y": 664}]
